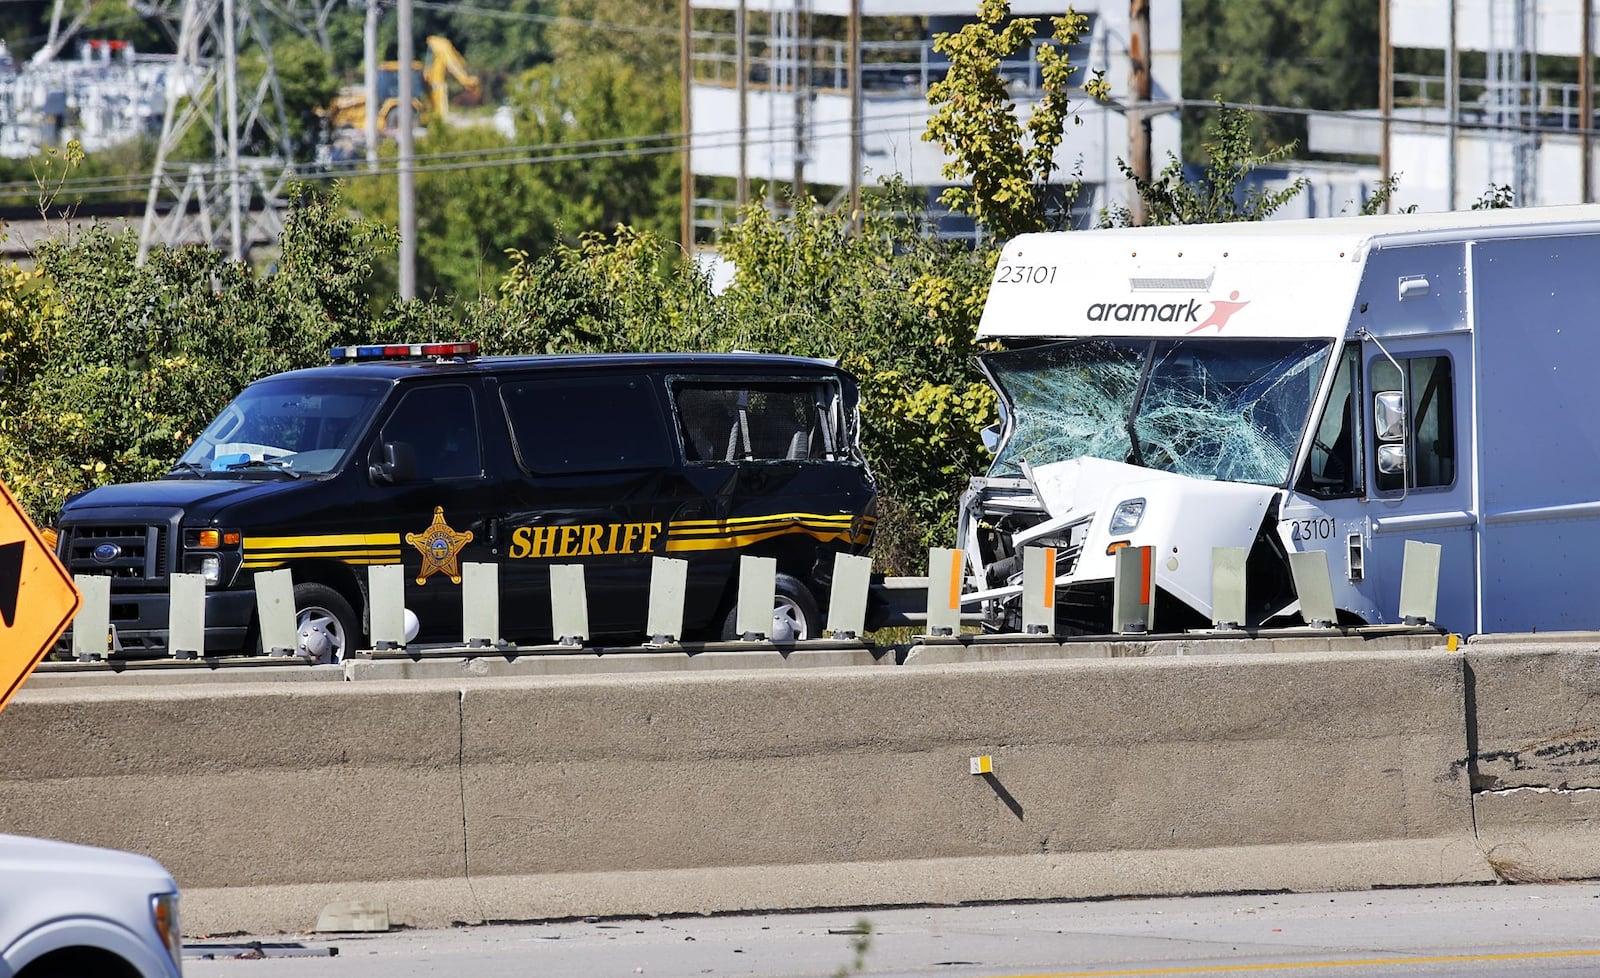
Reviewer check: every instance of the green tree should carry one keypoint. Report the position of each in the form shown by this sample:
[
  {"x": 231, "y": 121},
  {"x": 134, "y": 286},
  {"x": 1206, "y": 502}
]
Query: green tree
[
  {"x": 1221, "y": 194},
  {"x": 111, "y": 367},
  {"x": 1002, "y": 167},
  {"x": 1316, "y": 55}
]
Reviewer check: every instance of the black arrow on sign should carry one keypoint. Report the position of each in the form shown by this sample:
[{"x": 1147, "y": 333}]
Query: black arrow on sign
[{"x": 10, "y": 579}]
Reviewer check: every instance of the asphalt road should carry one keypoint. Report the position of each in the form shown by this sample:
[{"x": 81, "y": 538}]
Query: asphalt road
[{"x": 1476, "y": 931}]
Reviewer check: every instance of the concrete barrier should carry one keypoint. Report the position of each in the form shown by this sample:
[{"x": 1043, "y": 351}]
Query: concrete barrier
[
  {"x": 468, "y": 799},
  {"x": 1535, "y": 753}
]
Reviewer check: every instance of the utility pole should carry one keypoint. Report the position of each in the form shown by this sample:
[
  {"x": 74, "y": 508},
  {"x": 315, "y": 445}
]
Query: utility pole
[
  {"x": 741, "y": 66},
  {"x": 854, "y": 33},
  {"x": 370, "y": 80},
  {"x": 686, "y": 171},
  {"x": 1385, "y": 94},
  {"x": 407, "y": 153},
  {"x": 1586, "y": 102},
  {"x": 1138, "y": 103}
]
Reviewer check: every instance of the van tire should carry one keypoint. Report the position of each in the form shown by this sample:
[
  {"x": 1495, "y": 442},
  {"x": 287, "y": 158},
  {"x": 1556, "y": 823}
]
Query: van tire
[
  {"x": 330, "y": 616},
  {"x": 793, "y": 602}
]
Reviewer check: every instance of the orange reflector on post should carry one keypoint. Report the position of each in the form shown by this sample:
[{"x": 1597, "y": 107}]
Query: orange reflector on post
[
  {"x": 956, "y": 559},
  {"x": 1050, "y": 581}
]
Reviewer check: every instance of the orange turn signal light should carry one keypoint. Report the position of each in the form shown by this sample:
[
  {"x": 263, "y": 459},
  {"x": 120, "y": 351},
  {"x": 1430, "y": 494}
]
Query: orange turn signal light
[{"x": 1116, "y": 545}]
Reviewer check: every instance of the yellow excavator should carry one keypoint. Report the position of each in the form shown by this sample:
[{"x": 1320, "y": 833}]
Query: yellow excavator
[{"x": 430, "y": 89}]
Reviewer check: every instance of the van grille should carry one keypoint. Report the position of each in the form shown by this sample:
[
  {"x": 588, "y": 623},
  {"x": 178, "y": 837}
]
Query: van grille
[{"x": 128, "y": 553}]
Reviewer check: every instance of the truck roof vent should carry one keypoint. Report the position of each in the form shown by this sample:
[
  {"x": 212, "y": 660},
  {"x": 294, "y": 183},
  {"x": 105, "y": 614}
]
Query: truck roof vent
[{"x": 1141, "y": 283}]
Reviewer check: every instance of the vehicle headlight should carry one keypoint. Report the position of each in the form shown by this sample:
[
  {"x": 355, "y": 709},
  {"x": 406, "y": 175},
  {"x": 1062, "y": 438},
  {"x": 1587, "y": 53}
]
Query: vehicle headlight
[
  {"x": 1125, "y": 518},
  {"x": 164, "y": 911}
]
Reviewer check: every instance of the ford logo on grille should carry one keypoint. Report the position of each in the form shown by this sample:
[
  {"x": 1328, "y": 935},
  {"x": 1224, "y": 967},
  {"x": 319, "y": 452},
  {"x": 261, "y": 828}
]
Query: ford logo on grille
[{"x": 106, "y": 553}]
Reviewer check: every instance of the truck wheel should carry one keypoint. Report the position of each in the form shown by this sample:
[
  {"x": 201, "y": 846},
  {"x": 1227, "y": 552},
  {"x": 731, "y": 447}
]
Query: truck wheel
[
  {"x": 795, "y": 616},
  {"x": 326, "y": 627}
]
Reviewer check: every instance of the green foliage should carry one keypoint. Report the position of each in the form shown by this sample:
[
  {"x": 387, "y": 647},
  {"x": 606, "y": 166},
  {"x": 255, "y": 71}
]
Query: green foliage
[
  {"x": 591, "y": 172},
  {"x": 1497, "y": 197},
  {"x": 897, "y": 308},
  {"x": 974, "y": 120},
  {"x": 111, "y": 367},
  {"x": 1382, "y": 198},
  {"x": 1300, "y": 54},
  {"x": 1217, "y": 196}
]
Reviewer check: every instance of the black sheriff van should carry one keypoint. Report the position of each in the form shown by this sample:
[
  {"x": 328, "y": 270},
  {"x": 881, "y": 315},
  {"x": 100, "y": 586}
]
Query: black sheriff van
[{"x": 430, "y": 456}]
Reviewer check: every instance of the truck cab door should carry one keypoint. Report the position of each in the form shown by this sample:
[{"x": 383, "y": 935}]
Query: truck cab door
[{"x": 1419, "y": 456}]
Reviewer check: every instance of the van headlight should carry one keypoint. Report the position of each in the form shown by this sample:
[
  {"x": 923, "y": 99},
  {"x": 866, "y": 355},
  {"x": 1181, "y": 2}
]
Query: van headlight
[{"x": 1125, "y": 518}]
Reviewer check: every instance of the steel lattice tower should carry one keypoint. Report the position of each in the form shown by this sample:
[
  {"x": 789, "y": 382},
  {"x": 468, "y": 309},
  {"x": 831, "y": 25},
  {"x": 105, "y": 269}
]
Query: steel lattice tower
[{"x": 233, "y": 198}]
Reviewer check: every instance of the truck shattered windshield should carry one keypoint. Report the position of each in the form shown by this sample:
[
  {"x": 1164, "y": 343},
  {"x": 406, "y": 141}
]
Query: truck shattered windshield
[{"x": 1210, "y": 408}]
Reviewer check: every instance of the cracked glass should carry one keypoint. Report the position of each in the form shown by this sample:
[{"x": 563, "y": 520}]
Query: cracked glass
[{"x": 1208, "y": 408}]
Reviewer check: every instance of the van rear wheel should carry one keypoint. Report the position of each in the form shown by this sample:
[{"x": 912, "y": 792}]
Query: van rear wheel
[
  {"x": 326, "y": 627},
  {"x": 795, "y": 616}
]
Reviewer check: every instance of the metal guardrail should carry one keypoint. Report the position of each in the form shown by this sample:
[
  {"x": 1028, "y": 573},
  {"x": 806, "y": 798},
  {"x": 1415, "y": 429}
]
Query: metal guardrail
[{"x": 938, "y": 603}]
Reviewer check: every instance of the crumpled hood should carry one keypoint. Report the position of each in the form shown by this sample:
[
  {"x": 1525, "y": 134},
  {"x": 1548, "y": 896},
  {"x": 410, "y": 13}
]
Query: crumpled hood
[{"x": 1073, "y": 489}]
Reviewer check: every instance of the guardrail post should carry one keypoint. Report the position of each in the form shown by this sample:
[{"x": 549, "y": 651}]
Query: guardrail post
[
  {"x": 757, "y": 589},
  {"x": 1039, "y": 590},
  {"x": 1132, "y": 591},
  {"x": 386, "y": 589},
  {"x": 186, "y": 616},
  {"x": 91, "y": 629},
  {"x": 945, "y": 568},
  {"x": 275, "y": 609},
  {"x": 669, "y": 580},
  {"x": 1227, "y": 587},
  {"x": 1315, "y": 588},
  {"x": 480, "y": 605},
  {"x": 1419, "y": 582},
  {"x": 569, "y": 604},
  {"x": 847, "y": 596}
]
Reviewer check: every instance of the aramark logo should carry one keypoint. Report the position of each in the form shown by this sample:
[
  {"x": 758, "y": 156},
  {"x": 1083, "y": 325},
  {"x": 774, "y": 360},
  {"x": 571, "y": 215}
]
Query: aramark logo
[{"x": 1168, "y": 312}]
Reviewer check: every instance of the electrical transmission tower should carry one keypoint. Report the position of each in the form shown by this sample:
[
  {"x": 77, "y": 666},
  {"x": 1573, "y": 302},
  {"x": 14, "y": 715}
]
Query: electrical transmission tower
[{"x": 226, "y": 155}]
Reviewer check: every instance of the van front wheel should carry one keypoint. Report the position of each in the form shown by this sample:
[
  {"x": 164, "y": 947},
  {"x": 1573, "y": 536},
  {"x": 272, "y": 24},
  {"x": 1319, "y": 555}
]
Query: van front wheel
[{"x": 795, "y": 616}]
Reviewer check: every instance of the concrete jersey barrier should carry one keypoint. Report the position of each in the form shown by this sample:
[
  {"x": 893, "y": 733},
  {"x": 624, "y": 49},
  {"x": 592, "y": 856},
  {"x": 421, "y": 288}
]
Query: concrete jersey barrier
[{"x": 549, "y": 796}]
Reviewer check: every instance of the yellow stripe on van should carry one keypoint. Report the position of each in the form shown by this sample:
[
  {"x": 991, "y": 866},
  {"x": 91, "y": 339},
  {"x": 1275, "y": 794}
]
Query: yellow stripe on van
[
  {"x": 324, "y": 540},
  {"x": 691, "y": 535}
]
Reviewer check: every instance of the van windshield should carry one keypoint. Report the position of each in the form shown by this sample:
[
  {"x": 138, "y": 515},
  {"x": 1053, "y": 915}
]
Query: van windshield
[
  {"x": 290, "y": 426},
  {"x": 1208, "y": 408}
]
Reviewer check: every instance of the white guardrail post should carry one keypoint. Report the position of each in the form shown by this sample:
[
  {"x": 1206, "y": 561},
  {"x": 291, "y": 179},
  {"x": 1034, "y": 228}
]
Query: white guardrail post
[
  {"x": 1315, "y": 588},
  {"x": 480, "y": 605},
  {"x": 569, "y": 605},
  {"x": 186, "y": 616},
  {"x": 945, "y": 568},
  {"x": 386, "y": 588},
  {"x": 1227, "y": 587},
  {"x": 669, "y": 581},
  {"x": 91, "y": 629},
  {"x": 1039, "y": 590},
  {"x": 275, "y": 609},
  {"x": 847, "y": 598},
  {"x": 1132, "y": 588},
  {"x": 758, "y": 586},
  {"x": 1419, "y": 583}
]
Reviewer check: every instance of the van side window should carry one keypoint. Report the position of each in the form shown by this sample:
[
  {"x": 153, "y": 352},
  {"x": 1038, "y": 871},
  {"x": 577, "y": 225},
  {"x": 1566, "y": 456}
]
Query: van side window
[
  {"x": 1334, "y": 467},
  {"x": 1430, "y": 422},
  {"x": 441, "y": 426},
  {"x": 600, "y": 424},
  {"x": 740, "y": 420}
]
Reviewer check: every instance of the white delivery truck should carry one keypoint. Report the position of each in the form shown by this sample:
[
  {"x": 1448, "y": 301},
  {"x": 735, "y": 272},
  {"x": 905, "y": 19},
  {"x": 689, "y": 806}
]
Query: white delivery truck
[{"x": 1341, "y": 385}]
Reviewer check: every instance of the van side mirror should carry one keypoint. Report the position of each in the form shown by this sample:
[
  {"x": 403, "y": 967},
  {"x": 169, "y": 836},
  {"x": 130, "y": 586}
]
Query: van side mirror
[{"x": 398, "y": 464}]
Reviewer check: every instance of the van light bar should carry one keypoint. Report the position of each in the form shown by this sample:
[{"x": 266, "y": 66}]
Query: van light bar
[{"x": 402, "y": 351}]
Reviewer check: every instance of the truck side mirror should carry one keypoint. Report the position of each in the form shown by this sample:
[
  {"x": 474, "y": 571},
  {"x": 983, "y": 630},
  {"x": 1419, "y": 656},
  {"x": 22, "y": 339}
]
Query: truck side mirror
[
  {"x": 991, "y": 437},
  {"x": 399, "y": 464},
  {"x": 1392, "y": 459},
  {"x": 1389, "y": 415}
]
